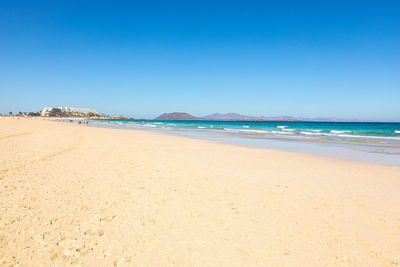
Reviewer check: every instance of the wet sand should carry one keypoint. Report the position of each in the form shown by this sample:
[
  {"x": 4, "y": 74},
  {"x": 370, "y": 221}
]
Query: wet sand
[{"x": 72, "y": 194}]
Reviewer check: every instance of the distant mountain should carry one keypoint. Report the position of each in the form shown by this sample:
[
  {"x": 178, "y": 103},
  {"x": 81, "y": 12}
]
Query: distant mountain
[
  {"x": 175, "y": 116},
  {"x": 240, "y": 117},
  {"x": 326, "y": 119},
  {"x": 228, "y": 116},
  {"x": 279, "y": 118}
]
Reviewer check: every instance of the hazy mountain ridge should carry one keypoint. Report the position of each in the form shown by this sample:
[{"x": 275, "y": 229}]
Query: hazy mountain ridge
[
  {"x": 175, "y": 116},
  {"x": 236, "y": 116},
  {"x": 228, "y": 116},
  {"x": 231, "y": 116}
]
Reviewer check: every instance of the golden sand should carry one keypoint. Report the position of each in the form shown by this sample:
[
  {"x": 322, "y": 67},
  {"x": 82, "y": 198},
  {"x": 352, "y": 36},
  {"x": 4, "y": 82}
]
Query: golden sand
[{"x": 101, "y": 197}]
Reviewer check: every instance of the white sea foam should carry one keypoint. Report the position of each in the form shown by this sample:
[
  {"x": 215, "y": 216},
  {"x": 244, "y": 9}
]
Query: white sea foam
[
  {"x": 281, "y": 127},
  {"x": 201, "y": 127},
  {"x": 280, "y": 133},
  {"x": 245, "y": 126},
  {"x": 369, "y": 136},
  {"x": 245, "y": 131},
  {"x": 397, "y": 131},
  {"x": 288, "y": 130},
  {"x": 157, "y": 123},
  {"x": 253, "y": 131},
  {"x": 352, "y": 136},
  {"x": 339, "y": 132},
  {"x": 317, "y": 131},
  {"x": 133, "y": 125},
  {"x": 309, "y": 133}
]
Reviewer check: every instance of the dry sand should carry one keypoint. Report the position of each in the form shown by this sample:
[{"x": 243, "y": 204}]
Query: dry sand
[{"x": 101, "y": 197}]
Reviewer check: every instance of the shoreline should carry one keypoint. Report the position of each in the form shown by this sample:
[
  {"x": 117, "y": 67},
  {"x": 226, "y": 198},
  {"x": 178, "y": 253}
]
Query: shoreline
[
  {"x": 92, "y": 196},
  {"x": 225, "y": 141},
  {"x": 335, "y": 150}
]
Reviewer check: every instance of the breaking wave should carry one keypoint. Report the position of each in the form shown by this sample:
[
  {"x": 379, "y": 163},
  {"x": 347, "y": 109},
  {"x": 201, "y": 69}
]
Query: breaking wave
[{"x": 339, "y": 132}]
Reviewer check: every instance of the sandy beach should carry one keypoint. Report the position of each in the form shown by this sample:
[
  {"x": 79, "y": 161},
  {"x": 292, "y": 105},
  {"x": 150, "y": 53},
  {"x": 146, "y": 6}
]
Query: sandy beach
[{"x": 72, "y": 194}]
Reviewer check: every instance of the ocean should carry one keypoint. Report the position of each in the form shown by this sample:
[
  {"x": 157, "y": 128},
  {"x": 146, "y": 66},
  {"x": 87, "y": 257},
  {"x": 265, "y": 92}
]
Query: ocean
[{"x": 362, "y": 141}]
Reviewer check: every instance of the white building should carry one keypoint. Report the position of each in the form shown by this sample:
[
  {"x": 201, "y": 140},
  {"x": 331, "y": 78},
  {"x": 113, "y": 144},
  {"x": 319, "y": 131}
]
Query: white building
[{"x": 83, "y": 111}]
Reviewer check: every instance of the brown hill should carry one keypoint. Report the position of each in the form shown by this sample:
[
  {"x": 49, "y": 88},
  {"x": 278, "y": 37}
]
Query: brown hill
[{"x": 175, "y": 116}]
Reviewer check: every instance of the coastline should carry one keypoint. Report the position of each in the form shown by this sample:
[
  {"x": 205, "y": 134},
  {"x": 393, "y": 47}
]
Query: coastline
[
  {"x": 372, "y": 151},
  {"x": 109, "y": 196}
]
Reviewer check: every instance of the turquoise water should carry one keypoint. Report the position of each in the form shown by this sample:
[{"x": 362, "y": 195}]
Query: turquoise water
[{"x": 331, "y": 137}]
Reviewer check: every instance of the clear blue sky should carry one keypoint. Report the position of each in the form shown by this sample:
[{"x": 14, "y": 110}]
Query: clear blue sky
[{"x": 299, "y": 58}]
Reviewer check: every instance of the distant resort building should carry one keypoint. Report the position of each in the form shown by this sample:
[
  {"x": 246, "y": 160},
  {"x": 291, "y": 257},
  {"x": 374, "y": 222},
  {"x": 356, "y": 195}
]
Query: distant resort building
[{"x": 55, "y": 111}]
